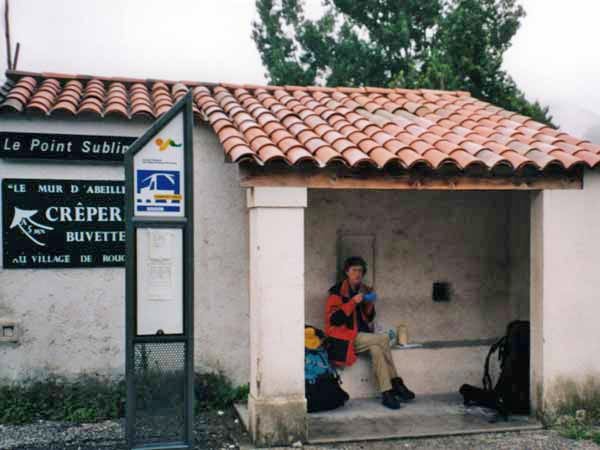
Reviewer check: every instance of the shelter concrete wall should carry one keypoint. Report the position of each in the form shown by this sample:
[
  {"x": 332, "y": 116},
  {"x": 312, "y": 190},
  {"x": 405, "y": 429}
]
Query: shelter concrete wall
[
  {"x": 72, "y": 320},
  {"x": 465, "y": 238},
  {"x": 519, "y": 254},
  {"x": 565, "y": 265}
]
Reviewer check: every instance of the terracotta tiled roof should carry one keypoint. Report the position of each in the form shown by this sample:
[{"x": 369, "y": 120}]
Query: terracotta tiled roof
[{"x": 353, "y": 126}]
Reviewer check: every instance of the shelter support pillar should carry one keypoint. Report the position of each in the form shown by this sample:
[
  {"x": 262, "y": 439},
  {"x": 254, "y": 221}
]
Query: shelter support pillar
[
  {"x": 565, "y": 297},
  {"x": 277, "y": 406}
]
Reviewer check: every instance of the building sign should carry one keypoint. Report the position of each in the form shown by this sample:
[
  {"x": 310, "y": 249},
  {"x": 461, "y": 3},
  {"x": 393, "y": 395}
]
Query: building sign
[
  {"x": 64, "y": 146},
  {"x": 158, "y": 173},
  {"x": 62, "y": 223}
]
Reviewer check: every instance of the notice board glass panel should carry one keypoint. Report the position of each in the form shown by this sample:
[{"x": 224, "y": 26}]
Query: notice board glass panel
[{"x": 160, "y": 281}]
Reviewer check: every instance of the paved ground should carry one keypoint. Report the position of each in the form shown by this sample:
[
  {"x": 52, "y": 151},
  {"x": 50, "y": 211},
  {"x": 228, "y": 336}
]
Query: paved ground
[
  {"x": 426, "y": 416},
  {"x": 214, "y": 431},
  {"x": 530, "y": 440}
]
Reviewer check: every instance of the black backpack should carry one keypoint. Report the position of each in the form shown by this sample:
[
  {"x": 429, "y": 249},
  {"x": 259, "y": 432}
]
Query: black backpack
[
  {"x": 511, "y": 393},
  {"x": 321, "y": 380}
]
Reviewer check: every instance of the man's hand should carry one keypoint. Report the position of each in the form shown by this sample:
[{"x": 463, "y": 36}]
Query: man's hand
[{"x": 357, "y": 298}]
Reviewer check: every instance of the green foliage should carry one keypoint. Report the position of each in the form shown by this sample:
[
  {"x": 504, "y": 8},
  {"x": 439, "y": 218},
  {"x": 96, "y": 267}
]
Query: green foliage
[
  {"x": 86, "y": 399},
  {"x": 215, "y": 391},
  {"x": 437, "y": 44},
  {"x": 578, "y": 427},
  {"x": 576, "y": 413},
  {"x": 90, "y": 399},
  {"x": 569, "y": 396}
]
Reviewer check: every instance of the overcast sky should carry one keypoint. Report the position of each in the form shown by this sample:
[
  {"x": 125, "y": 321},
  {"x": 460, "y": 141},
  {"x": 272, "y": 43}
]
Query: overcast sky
[{"x": 554, "y": 57}]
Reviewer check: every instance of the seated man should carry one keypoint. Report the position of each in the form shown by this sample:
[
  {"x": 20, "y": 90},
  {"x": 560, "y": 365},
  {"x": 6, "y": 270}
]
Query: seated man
[{"x": 349, "y": 318}]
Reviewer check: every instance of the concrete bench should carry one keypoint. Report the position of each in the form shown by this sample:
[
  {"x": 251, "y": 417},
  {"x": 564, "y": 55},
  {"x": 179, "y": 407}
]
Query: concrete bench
[{"x": 432, "y": 368}]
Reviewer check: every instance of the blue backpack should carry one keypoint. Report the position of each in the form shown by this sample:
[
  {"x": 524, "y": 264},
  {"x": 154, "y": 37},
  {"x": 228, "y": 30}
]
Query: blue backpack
[
  {"x": 317, "y": 365},
  {"x": 321, "y": 380}
]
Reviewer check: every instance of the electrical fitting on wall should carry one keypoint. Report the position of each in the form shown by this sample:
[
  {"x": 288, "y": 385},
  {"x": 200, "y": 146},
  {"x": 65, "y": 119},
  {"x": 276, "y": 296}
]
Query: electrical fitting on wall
[
  {"x": 9, "y": 331},
  {"x": 441, "y": 291}
]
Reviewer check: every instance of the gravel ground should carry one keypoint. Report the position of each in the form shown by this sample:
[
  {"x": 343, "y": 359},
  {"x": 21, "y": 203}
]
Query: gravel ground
[
  {"x": 214, "y": 430},
  {"x": 223, "y": 431}
]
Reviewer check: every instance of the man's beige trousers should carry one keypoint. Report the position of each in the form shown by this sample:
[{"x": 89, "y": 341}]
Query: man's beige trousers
[{"x": 381, "y": 356}]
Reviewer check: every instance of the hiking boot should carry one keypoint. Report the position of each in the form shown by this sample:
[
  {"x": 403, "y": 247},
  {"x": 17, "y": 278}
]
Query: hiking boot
[
  {"x": 401, "y": 391},
  {"x": 389, "y": 400}
]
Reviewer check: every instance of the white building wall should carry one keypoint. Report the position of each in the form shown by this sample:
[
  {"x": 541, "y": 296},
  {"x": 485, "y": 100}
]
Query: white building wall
[
  {"x": 72, "y": 320},
  {"x": 565, "y": 301},
  {"x": 222, "y": 302}
]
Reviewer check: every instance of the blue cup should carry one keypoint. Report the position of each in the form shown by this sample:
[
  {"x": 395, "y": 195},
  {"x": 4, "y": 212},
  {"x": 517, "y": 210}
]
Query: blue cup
[{"x": 370, "y": 297}]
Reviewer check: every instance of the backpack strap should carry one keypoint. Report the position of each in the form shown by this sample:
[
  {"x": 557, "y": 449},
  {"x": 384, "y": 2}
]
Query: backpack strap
[{"x": 487, "y": 379}]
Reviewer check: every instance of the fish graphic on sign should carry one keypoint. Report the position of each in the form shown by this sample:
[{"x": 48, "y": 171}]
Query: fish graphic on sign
[
  {"x": 22, "y": 220},
  {"x": 158, "y": 190}
]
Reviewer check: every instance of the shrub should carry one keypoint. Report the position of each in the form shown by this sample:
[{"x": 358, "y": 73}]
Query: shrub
[
  {"x": 90, "y": 399},
  {"x": 569, "y": 396},
  {"x": 215, "y": 391},
  {"x": 577, "y": 427},
  {"x": 576, "y": 408},
  {"x": 84, "y": 399}
]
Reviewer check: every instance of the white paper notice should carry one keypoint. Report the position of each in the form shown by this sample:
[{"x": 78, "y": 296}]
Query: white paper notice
[
  {"x": 161, "y": 242},
  {"x": 160, "y": 265},
  {"x": 160, "y": 281}
]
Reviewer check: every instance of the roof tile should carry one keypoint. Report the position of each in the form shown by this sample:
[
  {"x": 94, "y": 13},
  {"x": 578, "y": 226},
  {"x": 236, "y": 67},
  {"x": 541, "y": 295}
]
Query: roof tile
[{"x": 354, "y": 126}]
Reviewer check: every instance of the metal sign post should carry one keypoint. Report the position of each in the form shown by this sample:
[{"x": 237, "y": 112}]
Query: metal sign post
[{"x": 159, "y": 283}]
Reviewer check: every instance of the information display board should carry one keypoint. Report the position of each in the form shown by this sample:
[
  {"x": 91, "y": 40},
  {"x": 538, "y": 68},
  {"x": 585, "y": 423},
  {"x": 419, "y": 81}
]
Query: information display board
[
  {"x": 158, "y": 173},
  {"x": 159, "y": 325},
  {"x": 160, "y": 281},
  {"x": 62, "y": 223}
]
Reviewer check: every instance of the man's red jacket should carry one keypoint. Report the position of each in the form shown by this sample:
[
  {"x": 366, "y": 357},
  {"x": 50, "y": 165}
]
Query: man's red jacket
[{"x": 341, "y": 324}]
